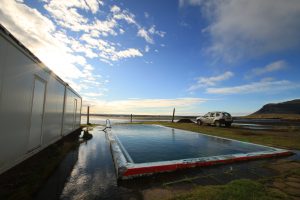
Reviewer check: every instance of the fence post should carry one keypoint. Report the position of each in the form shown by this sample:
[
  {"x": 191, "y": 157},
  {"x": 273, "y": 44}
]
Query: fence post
[
  {"x": 88, "y": 116},
  {"x": 173, "y": 115},
  {"x": 131, "y": 118}
]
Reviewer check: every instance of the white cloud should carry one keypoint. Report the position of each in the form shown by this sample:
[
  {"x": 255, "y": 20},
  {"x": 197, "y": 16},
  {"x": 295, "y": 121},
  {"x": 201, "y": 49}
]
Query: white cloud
[
  {"x": 125, "y": 15},
  {"x": 142, "y": 106},
  {"x": 210, "y": 81},
  {"x": 105, "y": 27},
  {"x": 182, "y": 3},
  {"x": 275, "y": 66},
  {"x": 148, "y": 34},
  {"x": 148, "y": 62},
  {"x": 128, "y": 53},
  {"x": 115, "y": 9},
  {"x": 266, "y": 85},
  {"x": 153, "y": 31},
  {"x": 92, "y": 94},
  {"x": 242, "y": 29},
  {"x": 94, "y": 5},
  {"x": 93, "y": 29},
  {"x": 66, "y": 13},
  {"x": 37, "y": 33},
  {"x": 107, "y": 50},
  {"x": 68, "y": 35},
  {"x": 147, "y": 48},
  {"x": 121, "y": 31},
  {"x": 144, "y": 34},
  {"x": 146, "y": 14}
]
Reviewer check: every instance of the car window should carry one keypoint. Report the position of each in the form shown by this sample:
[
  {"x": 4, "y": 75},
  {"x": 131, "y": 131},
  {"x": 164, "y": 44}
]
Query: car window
[
  {"x": 212, "y": 114},
  {"x": 217, "y": 114},
  {"x": 227, "y": 114}
]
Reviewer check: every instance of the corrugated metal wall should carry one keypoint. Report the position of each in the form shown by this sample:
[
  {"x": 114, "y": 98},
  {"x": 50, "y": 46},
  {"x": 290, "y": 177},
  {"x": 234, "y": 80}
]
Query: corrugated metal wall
[{"x": 32, "y": 104}]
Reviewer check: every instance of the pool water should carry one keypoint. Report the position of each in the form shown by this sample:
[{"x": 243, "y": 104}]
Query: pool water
[{"x": 150, "y": 143}]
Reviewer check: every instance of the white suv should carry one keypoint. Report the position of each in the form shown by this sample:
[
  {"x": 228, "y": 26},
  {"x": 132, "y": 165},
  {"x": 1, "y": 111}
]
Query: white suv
[{"x": 215, "y": 118}]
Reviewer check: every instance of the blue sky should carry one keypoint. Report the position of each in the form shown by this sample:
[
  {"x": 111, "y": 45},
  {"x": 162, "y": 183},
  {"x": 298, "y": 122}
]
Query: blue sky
[{"x": 146, "y": 57}]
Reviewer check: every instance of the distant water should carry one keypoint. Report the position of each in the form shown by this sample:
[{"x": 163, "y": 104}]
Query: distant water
[
  {"x": 116, "y": 120},
  {"x": 253, "y": 124}
]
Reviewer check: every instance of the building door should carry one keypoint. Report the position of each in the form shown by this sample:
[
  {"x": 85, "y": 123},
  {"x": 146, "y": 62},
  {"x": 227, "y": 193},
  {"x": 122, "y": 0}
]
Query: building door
[{"x": 37, "y": 114}]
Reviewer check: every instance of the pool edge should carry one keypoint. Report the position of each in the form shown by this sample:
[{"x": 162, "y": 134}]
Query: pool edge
[
  {"x": 135, "y": 170},
  {"x": 129, "y": 170}
]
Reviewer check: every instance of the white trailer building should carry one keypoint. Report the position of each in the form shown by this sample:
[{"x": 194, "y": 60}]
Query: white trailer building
[{"x": 37, "y": 108}]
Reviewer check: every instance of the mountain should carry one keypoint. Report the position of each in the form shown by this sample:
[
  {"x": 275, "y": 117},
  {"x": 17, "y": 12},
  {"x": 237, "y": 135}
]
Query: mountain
[{"x": 287, "y": 107}]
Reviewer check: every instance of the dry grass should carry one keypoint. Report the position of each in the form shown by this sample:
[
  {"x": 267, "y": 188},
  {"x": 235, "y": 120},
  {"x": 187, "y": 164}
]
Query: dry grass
[{"x": 284, "y": 186}]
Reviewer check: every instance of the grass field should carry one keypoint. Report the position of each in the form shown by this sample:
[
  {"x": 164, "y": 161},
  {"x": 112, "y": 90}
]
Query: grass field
[{"x": 294, "y": 117}]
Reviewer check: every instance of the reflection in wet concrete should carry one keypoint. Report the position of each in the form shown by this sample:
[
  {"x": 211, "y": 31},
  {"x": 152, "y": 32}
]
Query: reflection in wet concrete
[
  {"x": 93, "y": 176},
  {"x": 55, "y": 184}
]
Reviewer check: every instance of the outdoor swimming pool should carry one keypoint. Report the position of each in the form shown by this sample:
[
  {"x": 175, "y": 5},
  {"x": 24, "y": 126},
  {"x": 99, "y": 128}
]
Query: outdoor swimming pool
[{"x": 146, "y": 149}]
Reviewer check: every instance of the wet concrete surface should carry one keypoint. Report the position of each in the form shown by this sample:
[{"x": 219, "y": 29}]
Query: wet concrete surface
[
  {"x": 88, "y": 173},
  {"x": 56, "y": 182}
]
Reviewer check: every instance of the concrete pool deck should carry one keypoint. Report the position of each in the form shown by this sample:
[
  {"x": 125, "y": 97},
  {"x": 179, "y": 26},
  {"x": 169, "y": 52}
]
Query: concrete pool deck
[{"x": 126, "y": 168}]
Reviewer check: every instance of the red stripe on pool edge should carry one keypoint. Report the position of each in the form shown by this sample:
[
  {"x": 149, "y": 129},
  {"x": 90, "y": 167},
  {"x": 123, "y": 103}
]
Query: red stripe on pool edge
[{"x": 172, "y": 167}]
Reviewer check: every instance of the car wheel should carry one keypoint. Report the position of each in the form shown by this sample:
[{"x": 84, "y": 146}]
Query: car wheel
[
  {"x": 228, "y": 124},
  {"x": 199, "y": 122},
  {"x": 217, "y": 123}
]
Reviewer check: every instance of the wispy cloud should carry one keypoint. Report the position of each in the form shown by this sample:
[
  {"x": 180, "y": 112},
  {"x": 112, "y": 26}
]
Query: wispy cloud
[
  {"x": 40, "y": 35},
  {"x": 146, "y": 14},
  {"x": 92, "y": 94},
  {"x": 115, "y": 9},
  {"x": 265, "y": 85},
  {"x": 182, "y": 3},
  {"x": 242, "y": 29},
  {"x": 210, "y": 81},
  {"x": 152, "y": 30},
  {"x": 145, "y": 34},
  {"x": 150, "y": 33},
  {"x": 147, "y": 48},
  {"x": 272, "y": 67}
]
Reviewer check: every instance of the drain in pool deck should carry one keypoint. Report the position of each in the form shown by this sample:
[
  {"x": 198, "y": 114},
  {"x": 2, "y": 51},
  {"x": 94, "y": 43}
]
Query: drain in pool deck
[{"x": 146, "y": 149}]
